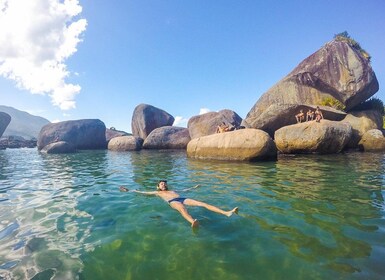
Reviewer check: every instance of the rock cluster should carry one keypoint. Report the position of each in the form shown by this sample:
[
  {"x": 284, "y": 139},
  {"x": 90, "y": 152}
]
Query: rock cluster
[
  {"x": 16, "y": 142},
  {"x": 337, "y": 71}
]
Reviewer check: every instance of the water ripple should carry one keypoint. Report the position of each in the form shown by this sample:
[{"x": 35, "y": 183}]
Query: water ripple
[{"x": 62, "y": 216}]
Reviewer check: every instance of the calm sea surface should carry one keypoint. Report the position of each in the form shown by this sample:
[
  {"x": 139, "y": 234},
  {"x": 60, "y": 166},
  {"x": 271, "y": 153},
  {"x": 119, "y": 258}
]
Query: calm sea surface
[{"x": 301, "y": 217}]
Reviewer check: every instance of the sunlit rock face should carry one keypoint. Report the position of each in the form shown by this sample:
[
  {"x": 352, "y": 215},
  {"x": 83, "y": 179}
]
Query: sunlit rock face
[
  {"x": 238, "y": 145},
  {"x": 324, "y": 137},
  {"x": 337, "y": 71}
]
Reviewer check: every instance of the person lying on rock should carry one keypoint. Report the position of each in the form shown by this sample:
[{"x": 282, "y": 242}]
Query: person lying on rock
[
  {"x": 223, "y": 128},
  {"x": 300, "y": 117},
  {"x": 179, "y": 203},
  {"x": 318, "y": 114}
]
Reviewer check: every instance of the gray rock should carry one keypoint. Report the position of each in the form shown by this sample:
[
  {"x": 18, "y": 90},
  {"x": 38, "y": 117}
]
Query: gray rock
[
  {"x": 280, "y": 115},
  {"x": 373, "y": 141},
  {"x": 60, "y": 147},
  {"x": 81, "y": 134},
  {"x": 207, "y": 123},
  {"x": 111, "y": 133},
  {"x": 146, "y": 118},
  {"x": 361, "y": 122},
  {"x": 336, "y": 71},
  {"x": 239, "y": 145},
  {"x": 125, "y": 143},
  {"x": 167, "y": 137},
  {"x": 324, "y": 137},
  {"x": 5, "y": 119}
]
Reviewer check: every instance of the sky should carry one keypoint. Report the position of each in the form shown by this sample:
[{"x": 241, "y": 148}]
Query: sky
[{"x": 93, "y": 59}]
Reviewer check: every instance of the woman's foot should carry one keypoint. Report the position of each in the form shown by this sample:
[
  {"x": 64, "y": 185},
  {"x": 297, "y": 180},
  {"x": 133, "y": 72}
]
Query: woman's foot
[{"x": 123, "y": 189}]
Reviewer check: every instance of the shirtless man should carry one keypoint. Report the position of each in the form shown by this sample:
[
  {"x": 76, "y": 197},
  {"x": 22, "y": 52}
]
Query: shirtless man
[
  {"x": 318, "y": 114},
  {"x": 309, "y": 115},
  {"x": 300, "y": 117},
  {"x": 178, "y": 203}
]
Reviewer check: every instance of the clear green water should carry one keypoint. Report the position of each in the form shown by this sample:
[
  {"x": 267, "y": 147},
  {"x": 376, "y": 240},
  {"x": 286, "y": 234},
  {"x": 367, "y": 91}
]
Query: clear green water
[{"x": 301, "y": 217}]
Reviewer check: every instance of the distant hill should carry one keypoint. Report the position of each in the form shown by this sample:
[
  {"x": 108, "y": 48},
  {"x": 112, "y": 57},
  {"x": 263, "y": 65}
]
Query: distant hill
[{"x": 22, "y": 123}]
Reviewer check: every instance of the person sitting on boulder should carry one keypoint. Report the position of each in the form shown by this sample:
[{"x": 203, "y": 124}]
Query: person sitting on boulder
[
  {"x": 309, "y": 115},
  {"x": 300, "y": 117},
  {"x": 318, "y": 114},
  {"x": 222, "y": 128}
]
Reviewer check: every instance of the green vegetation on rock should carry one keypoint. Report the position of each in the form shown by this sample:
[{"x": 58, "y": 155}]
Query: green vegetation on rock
[
  {"x": 332, "y": 102},
  {"x": 344, "y": 36}
]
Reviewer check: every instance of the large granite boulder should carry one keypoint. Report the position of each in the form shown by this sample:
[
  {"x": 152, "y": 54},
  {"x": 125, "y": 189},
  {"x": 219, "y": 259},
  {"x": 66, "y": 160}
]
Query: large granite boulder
[
  {"x": 81, "y": 134},
  {"x": 280, "y": 115},
  {"x": 167, "y": 137},
  {"x": 324, "y": 137},
  {"x": 125, "y": 143},
  {"x": 373, "y": 141},
  {"x": 60, "y": 147},
  {"x": 5, "y": 119},
  {"x": 239, "y": 145},
  {"x": 146, "y": 118},
  {"x": 337, "y": 71},
  {"x": 207, "y": 123},
  {"x": 361, "y": 122},
  {"x": 112, "y": 132}
]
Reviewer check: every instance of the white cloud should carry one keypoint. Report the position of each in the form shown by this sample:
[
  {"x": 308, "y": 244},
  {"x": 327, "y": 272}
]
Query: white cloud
[
  {"x": 180, "y": 121},
  {"x": 36, "y": 38},
  {"x": 204, "y": 111}
]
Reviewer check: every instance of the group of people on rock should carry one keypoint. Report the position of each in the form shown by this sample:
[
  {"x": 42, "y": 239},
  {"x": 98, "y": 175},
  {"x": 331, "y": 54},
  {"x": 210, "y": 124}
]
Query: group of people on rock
[
  {"x": 310, "y": 115},
  {"x": 223, "y": 127}
]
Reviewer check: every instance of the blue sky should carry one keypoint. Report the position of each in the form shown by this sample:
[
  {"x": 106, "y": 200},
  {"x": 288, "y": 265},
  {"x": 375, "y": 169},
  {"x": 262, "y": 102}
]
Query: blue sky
[{"x": 100, "y": 59}]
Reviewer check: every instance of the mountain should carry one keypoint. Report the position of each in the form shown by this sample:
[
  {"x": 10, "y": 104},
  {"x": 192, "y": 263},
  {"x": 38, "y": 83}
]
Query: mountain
[{"x": 22, "y": 123}]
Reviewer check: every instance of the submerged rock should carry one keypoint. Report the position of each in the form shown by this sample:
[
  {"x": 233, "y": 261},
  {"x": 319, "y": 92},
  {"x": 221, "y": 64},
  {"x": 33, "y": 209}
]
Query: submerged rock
[
  {"x": 242, "y": 145},
  {"x": 60, "y": 147}
]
